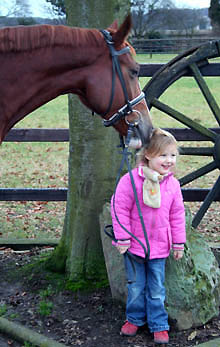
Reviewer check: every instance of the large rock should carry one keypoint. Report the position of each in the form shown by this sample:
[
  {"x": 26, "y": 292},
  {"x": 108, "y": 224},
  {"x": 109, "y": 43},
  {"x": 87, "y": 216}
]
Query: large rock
[
  {"x": 113, "y": 260},
  {"x": 192, "y": 283}
]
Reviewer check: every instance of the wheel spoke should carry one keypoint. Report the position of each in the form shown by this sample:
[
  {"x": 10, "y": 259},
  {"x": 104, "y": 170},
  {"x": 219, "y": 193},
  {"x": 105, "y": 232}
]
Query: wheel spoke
[
  {"x": 206, "y": 203},
  {"x": 198, "y": 173},
  {"x": 183, "y": 119},
  {"x": 205, "y": 91}
]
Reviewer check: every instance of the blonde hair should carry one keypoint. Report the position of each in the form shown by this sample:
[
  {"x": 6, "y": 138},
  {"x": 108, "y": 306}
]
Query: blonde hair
[{"x": 158, "y": 141}]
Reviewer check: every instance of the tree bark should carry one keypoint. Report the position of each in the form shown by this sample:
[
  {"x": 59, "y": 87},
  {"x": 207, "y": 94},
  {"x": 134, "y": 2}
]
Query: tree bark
[{"x": 93, "y": 165}]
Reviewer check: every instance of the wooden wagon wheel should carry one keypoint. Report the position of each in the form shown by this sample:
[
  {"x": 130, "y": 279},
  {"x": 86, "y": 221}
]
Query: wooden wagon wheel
[{"x": 191, "y": 63}]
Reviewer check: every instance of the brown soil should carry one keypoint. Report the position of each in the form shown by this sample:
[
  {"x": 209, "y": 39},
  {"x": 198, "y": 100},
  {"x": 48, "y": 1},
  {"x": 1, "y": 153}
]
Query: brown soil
[{"x": 77, "y": 319}]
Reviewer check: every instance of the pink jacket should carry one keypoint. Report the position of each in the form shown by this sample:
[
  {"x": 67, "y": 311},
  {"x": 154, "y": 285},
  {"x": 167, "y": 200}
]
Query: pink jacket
[{"x": 164, "y": 225}]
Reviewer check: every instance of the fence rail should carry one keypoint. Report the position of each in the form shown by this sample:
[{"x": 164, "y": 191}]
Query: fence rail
[
  {"x": 167, "y": 45},
  {"x": 37, "y": 135},
  {"x": 211, "y": 70},
  {"x": 60, "y": 194},
  {"x": 62, "y": 135}
]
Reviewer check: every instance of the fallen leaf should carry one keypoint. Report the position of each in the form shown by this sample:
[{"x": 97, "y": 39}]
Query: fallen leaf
[
  {"x": 192, "y": 335},
  {"x": 214, "y": 334}
]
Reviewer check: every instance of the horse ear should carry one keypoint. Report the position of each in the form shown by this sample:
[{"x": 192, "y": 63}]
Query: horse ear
[
  {"x": 114, "y": 25},
  {"x": 122, "y": 33}
]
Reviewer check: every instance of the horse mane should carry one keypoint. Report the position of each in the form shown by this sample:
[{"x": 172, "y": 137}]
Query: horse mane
[{"x": 27, "y": 38}]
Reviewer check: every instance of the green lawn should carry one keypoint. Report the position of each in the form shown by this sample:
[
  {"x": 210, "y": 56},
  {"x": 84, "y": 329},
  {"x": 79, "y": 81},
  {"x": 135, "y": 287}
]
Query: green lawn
[{"x": 41, "y": 165}]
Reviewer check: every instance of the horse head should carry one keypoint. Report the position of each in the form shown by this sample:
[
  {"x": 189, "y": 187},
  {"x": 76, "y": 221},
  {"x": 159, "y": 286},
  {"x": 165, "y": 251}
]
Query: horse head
[{"x": 112, "y": 88}]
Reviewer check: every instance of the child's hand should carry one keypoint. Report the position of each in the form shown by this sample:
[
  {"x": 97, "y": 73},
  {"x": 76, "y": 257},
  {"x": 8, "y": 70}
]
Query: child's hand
[
  {"x": 123, "y": 245},
  {"x": 178, "y": 254},
  {"x": 178, "y": 251}
]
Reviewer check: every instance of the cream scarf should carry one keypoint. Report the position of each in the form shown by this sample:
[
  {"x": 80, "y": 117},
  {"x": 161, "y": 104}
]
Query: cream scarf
[{"x": 151, "y": 187}]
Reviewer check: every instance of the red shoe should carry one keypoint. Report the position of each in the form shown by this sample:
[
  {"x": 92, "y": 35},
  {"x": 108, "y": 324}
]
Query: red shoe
[
  {"x": 129, "y": 329},
  {"x": 161, "y": 337}
]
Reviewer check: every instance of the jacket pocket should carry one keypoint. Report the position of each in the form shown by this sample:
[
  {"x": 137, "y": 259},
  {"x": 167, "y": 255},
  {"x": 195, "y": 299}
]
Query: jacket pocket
[
  {"x": 164, "y": 239},
  {"x": 169, "y": 237}
]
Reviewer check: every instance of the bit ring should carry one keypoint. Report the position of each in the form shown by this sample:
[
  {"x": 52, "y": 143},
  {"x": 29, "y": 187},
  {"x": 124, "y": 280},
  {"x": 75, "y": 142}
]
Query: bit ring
[{"x": 136, "y": 122}]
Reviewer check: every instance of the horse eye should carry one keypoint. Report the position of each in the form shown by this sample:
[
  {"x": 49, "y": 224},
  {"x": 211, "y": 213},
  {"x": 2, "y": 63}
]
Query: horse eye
[{"x": 134, "y": 72}]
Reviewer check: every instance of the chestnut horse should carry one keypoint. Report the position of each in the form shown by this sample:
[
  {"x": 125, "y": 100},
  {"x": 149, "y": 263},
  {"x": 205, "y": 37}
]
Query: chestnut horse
[{"x": 38, "y": 63}]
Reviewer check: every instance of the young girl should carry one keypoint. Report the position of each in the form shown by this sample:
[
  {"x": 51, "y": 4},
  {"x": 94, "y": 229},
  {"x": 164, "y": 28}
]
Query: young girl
[{"x": 161, "y": 204}]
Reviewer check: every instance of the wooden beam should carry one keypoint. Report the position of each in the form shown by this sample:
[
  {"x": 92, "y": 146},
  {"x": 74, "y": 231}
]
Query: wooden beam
[
  {"x": 62, "y": 135},
  {"x": 60, "y": 194},
  {"x": 211, "y": 70},
  {"x": 37, "y": 135},
  {"x": 24, "y": 244},
  {"x": 33, "y": 194},
  {"x": 196, "y": 194}
]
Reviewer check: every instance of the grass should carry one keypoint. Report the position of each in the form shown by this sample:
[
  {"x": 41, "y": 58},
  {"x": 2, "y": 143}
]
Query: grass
[
  {"x": 45, "y": 293},
  {"x": 45, "y": 308},
  {"x": 3, "y": 309},
  {"x": 41, "y": 165},
  {"x": 28, "y": 344},
  {"x": 155, "y": 58}
]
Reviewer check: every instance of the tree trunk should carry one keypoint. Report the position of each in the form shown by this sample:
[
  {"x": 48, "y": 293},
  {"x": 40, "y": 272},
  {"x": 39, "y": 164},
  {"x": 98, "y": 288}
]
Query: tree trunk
[{"x": 93, "y": 165}]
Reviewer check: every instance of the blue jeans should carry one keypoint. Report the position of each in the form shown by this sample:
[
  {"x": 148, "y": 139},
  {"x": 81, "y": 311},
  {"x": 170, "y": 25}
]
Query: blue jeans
[{"x": 146, "y": 293}]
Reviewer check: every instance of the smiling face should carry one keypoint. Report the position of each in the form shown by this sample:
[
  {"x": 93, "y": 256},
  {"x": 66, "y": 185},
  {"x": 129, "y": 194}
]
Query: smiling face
[{"x": 165, "y": 161}]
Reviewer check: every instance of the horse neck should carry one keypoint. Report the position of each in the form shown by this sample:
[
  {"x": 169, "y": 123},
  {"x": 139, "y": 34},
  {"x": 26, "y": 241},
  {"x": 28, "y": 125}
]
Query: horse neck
[
  {"x": 78, "y": 48},
  {"x": 68, "y": 59},
  {"x": 38, "y": 75},
  {"x": 56, "y": 45},
  {"x": 71, "y": 50}
]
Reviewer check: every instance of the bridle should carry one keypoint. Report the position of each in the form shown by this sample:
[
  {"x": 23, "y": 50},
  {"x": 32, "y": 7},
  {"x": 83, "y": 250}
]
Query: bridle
[
  {"x": 116, "y": 68},
  {"x": 122, "y": 113}
]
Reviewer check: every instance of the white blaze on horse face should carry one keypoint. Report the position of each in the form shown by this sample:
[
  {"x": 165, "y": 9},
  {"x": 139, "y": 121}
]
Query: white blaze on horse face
[
  {"x": 144, "y": 102},
  {"x": 135, "y": 143}
]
